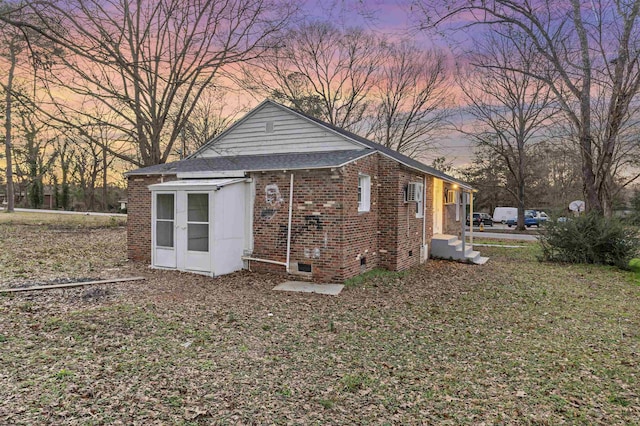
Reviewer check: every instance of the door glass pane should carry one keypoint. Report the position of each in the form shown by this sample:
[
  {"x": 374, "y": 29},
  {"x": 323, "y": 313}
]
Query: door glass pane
[
  {"x": 198, "y": 237},
  {"x": 164, "y": 203},
  {"x": 198, "y": 208},
  {"x": 164, "y": 233}
]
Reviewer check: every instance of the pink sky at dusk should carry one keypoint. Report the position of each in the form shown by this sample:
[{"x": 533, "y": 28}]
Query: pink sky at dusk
[{"x": 395, "y": 20}]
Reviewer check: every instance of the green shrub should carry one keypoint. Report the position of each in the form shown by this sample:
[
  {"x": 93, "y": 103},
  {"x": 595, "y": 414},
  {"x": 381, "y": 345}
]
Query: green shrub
[{"x": 591, "y": 238}]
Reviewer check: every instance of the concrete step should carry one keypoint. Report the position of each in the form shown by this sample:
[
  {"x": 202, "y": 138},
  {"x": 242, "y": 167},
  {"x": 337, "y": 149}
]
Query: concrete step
[
  {"x": 445, "y": 246},
  {"x": 472, "y": 256}
]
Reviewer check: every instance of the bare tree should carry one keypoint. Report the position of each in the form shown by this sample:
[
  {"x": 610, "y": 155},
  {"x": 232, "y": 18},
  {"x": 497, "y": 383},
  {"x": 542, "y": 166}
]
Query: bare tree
[
  {"x": 590, "y": 46},
  {"x": 148, "y": 62},
  {"x": 211, "y": 116},
  {"x": 510, "y": 108},
  {"x": 65, "y": 153},
  {"x": 33, "y": 156},
  {"x": 412, "y": 94},
  {"x": 13, "y": 43},
  {"x": 321, "y": 70}
]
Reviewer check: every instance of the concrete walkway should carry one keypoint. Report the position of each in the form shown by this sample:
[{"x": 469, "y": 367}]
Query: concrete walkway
[{"x": 69, "y": 212}]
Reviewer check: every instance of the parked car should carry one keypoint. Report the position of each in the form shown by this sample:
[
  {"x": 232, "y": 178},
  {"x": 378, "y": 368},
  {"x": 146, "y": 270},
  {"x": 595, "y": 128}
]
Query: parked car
[
  {"x": 531, "y": 218},
  {"x": 481, "y": 218}
]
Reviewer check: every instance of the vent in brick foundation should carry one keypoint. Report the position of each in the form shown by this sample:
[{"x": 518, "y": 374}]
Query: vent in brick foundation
[
  {"x": 304, "y": 267},
  {"x": 410, "y": 253},
  {"x": 363, "y": 261}
]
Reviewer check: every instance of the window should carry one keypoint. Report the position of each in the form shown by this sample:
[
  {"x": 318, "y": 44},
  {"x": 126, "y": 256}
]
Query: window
[
  {"x": 419, "y": 198},
  {"x": 164, "y": 220},
  {"x": 450, "y": 197},
  {"x": 198, "y": 222},
  {"x": 364, "y": 193}
]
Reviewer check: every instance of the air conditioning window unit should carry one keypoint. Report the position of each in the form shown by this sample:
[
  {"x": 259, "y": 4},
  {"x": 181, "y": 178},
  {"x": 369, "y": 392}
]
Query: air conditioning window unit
[{"x": 413, "y": 193}]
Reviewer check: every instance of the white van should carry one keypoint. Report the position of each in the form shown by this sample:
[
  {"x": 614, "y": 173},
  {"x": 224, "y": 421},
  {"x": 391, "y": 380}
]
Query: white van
[{"x": 502, "y": 214}]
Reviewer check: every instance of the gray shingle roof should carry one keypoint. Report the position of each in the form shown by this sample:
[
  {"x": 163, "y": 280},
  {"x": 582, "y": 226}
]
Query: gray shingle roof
[{"x": 289, "y": 161}]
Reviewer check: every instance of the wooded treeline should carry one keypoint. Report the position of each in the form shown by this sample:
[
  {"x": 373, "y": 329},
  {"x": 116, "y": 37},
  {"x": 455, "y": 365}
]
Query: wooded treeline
[{"x": 546, "y": 94}]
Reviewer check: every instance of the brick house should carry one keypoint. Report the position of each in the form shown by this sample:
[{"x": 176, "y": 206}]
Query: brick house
[{"x": 284, "y": 192}]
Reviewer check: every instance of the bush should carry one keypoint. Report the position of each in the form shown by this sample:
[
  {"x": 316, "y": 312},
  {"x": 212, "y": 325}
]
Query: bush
[{"x": 589, "y": 239}]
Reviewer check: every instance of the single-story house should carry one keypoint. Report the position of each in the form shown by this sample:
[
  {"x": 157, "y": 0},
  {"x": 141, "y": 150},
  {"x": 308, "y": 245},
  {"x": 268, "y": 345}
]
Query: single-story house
[{"x": 282, "y": 191}]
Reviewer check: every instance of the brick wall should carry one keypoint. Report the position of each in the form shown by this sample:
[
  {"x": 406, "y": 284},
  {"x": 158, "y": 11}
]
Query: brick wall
[
  {"x": 399, "y": 229},
  {"x": 360, "y": 229},
  {"x": 139, "y": 216},
  {"x": 452, "y": 226},
  {"x": 409, "y": 226},
  {"x": 327, "y": 231},
  {"x": 316, "y": 227},
  {"x": 390, "y": 194}
]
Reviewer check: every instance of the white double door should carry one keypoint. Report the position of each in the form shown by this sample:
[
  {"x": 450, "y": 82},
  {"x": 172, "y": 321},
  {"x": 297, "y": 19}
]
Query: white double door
[{"x": 182, "y": 230}]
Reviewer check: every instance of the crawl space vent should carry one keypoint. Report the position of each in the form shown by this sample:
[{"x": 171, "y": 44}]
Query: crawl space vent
[{"x": 304, "y": 267}]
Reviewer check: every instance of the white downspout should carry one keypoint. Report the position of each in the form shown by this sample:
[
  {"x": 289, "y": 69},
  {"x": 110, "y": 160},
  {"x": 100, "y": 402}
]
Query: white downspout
[
  {"x": 471, "y": 218},
  {"x": 424, "y": 216},
  {"x": 275, "y": 262},
  {"x": 463, "y": 207},
  {"x": 289, "y": 227}
]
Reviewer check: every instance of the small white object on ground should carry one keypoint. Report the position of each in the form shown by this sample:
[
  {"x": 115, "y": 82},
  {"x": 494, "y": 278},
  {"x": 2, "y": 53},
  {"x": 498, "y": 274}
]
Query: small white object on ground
[{"x": 306, "y": 287}]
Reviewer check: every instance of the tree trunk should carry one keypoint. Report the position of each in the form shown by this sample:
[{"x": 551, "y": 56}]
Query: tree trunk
[
  {"x": 521, "y": 207},
  {"x": 588, "y": 177},
  {"x": 7, "y": 126},
  {"x": 105, "y": 201}
]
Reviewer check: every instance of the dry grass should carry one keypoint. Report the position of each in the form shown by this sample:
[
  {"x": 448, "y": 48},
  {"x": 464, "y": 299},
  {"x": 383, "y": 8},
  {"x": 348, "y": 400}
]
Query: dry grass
[
  {"x": 513, "y": 341},
  {"x": 87, "y": 220},
  {"x": 37, "y": 247}
]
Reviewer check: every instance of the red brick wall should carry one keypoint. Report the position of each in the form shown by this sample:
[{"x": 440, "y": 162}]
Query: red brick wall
[
  {"x": 390, "y": 193},
  {"x": 409, "y": 226},
  {"x": 316, "y": 227},
  {"x": 139, "y": 216},
  {"x": 400, "y": 230},
  {"x": 451, "y": 226},
  {"x": 360, "y": 232},
  {"x": 327, "y": 230}
]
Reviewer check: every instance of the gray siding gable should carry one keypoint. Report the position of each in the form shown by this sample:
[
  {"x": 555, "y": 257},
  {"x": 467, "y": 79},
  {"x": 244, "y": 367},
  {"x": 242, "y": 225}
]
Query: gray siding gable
[{"x": 272, "y": 129}]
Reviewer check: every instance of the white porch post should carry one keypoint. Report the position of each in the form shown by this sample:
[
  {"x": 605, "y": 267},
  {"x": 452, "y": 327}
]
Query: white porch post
[
  {"x": 463, "y": 206},
  {"x": 471, "y": 218}
]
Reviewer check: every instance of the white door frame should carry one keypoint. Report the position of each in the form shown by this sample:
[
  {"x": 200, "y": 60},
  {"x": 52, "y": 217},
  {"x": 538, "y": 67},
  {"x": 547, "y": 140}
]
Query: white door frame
[
  {"x": 163, "y": 257},
  {"x": 192, "y": 260}
]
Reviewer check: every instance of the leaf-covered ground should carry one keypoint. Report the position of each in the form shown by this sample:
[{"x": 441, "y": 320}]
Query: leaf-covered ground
[{"x": 511, "y": 342}]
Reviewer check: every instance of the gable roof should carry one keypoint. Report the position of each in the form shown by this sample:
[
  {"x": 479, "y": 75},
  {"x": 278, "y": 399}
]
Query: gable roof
[{"x": 290, "y": 161}]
